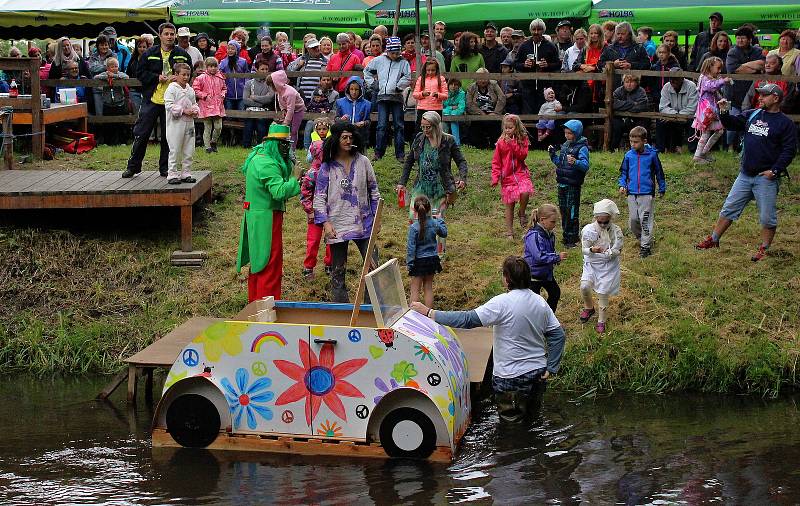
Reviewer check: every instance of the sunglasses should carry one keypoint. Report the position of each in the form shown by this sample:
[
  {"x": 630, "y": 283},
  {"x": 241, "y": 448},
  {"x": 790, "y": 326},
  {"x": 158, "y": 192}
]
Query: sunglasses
[{"x": 606, "y": 222}]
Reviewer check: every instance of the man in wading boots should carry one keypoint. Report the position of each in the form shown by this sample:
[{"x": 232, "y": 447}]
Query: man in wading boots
[
  {"x": 528, "y": 341},
  {"x": 269, "y": 182}
]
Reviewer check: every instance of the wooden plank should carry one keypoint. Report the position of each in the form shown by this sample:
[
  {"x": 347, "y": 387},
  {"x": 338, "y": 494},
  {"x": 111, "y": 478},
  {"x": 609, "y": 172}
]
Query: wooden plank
[
  {"x": 64, "y": 112},
  {"x": 11, "y": 182},
  {"x": 39, "y": 186},
  {"x": 93, "y": 175},
  {"x": 69, "y": 201},
  {"x": 97, "y": 183},
  {"x": 47, "y": 174},
  {"x": 162, "y": 439},
  {"x": 137, "y": 184},
  {"x": 131, "y": 384},
  {"x": 111, "y": 387},
  {"x": 477, "y": 345},
  {"x": 59, "y": 185},
  {"x": 163, "y": 352},
  {"x": 123, "y": 181},
  {"x": 186, "y": 228}
]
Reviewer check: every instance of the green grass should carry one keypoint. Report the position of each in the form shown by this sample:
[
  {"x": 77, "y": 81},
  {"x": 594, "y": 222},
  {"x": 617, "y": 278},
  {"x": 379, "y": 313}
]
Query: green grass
[{"x": 81, "y": 297}]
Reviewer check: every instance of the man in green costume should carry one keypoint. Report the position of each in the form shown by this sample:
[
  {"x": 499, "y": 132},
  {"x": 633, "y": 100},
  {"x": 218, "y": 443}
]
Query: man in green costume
[{"x": 269, "y": 183}]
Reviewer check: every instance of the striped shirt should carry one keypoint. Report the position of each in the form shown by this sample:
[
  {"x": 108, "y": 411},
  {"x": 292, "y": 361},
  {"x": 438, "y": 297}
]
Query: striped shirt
[{"x": 307, "y": 85}]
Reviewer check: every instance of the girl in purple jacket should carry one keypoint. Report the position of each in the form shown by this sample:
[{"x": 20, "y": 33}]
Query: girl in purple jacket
[{"x": 540, "y": 253}]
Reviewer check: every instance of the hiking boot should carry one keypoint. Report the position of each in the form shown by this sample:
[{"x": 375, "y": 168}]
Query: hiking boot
[
  {"x": 586, "y": 314},
  {"x": 570, "y": 245},
  {"x": 401, "y": 158},
  {"x": 308, "y": 273},
  {"x": 760, "y": 254},
  {"x": 709, "y": 157},
  {"x": 214, "y": 147},
  {"x": 188, "y": 179},
  {"x": 600, "y": 327},
  {"x": 699, "y": 160},
  {"x": 209, "y": 149},
  {"x": 174, "y": 180},
  {"x": 644, "y": 252},
  {"x": 130, "y": 172},
  {"x": 707, "y": 243}
]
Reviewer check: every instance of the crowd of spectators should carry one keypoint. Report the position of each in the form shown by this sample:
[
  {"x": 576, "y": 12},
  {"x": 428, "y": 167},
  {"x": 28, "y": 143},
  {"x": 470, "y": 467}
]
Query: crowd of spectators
[{"x": 388, "y": 85}]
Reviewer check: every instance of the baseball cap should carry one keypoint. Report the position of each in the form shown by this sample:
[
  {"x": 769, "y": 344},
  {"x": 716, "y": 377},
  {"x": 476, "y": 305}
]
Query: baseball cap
[
  {"x": 393, "y": 44},
  {"x": 770, "y": 89},
  {"x": 518, "y": 33},
  {"x": 491, "y": 25},
  {"x": 109, "y": 32},
  {"x": 312, "y": 43},
  {"x": 717, "y": 15},
  {"x": 563, "y": 22},
  {"x": 184, "y": 32}
]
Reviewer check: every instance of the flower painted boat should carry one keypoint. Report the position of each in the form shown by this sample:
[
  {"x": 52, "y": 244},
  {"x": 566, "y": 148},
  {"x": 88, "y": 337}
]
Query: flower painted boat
[{"x": 396, "y": 384}]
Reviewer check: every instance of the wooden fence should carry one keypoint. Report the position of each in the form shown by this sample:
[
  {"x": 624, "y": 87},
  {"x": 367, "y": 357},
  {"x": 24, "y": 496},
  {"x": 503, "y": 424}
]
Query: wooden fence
[{"x": 606, "y": 113}]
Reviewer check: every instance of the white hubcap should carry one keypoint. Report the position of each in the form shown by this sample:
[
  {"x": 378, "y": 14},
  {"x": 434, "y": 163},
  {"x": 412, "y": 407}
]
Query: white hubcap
[{"x": 407, "y": 435}]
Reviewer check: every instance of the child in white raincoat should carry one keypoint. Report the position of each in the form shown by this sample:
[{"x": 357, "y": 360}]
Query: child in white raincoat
[
  {"x": 601, "y": 241},
  {"x": 181, "y": 106}
]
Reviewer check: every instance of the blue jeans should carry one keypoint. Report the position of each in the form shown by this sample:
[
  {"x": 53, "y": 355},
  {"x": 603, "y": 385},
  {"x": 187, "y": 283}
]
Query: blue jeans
[
  {"x": 385, "y": 108},
  {"x": 234, "y": 104},
  {"x": 259, "y": 125},
  {"x": 307, "y": 133},
  {"x": 747, "y": 188},
  {"x": 452, "y": 128}
]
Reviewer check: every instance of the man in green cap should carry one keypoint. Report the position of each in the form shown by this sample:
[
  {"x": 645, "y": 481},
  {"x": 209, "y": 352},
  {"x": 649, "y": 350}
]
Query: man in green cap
[{"x": 269, "y": 183}]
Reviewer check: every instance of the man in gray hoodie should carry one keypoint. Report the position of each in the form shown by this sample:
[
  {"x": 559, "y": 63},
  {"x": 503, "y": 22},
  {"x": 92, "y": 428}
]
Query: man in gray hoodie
[{"x": 388, "y": 75}]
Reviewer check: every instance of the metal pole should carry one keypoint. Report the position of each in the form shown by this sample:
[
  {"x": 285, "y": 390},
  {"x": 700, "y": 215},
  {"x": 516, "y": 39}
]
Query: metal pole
[{"x": 431, "y": 37}]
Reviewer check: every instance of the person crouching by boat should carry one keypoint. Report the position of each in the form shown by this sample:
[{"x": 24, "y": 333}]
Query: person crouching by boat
[
  {"x": 528, "y": 340},
  {"x": 269, "y": 183}
]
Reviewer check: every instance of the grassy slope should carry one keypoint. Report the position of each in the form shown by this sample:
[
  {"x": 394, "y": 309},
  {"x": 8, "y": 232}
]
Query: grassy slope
[{"x": 82, "y": 298}]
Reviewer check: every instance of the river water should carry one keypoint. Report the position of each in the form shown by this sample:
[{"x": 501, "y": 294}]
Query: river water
[{"x": 58, "y": 446}]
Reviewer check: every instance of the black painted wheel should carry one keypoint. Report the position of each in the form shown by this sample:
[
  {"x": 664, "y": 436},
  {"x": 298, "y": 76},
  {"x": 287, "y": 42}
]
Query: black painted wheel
[
  {"x": 193, "y": 421},
  {"x": 408, "y": 433}
]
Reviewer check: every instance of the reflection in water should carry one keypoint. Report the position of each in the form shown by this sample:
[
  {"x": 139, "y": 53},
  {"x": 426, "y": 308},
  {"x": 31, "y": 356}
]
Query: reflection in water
[{"x": 55, "y": 447}]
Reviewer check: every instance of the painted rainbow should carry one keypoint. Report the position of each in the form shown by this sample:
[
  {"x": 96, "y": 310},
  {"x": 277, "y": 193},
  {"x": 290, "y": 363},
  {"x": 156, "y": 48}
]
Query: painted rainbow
[{"x": 267, "y": 336}]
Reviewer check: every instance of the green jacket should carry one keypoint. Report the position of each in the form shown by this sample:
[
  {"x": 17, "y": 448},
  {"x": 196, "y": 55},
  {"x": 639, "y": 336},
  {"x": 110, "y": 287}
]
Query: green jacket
[{"x": 267, "y": 188}]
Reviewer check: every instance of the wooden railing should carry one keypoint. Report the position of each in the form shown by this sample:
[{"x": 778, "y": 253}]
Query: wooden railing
[{"x": 607, "y": 114}]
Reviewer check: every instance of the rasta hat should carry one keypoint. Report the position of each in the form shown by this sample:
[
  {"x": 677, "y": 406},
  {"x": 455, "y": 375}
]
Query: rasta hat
[
  {"x": 278, "y": 133},
  {"x": 393, "y": 44}
]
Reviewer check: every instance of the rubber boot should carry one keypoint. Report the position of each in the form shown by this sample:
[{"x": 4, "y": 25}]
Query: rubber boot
[{"x": 511, "y": 406}]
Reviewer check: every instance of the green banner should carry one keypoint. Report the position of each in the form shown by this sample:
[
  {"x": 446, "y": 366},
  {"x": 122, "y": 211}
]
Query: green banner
[
  {"x": 686, "y": 14},
  {"x": 79, "y": 17},
  {"x": 302, "y": 12},
  {"x": 466, "y": 12}
]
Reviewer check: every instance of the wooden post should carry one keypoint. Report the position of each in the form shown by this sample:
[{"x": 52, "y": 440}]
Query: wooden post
[
  {"x": 367, "y": 263},
  {"x": 431, "y": 38},
  {"x": 396, "y": 27},
  {"x": 8, "y": 139},
  {"x": 131, "y": 384},
  {"x": 417, "y": 43},
  {"x": 186, "y": 228},
  {"x": 609, "y": 102},
  {"x": 37, "y": 125}
]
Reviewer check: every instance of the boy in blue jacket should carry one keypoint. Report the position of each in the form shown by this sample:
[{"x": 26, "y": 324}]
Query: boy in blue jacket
[
  {"x": 638, "y": 174},
  {"x": 354, "y": 108},
  {"x": 572, "y": 164}
]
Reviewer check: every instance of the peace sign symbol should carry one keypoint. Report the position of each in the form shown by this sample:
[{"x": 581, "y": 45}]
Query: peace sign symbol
[
  {"x": 287, "y": 416},
  {"x": 362, "y": 411},
  {"x": 190, "y": 357},
  {"x": 434, "y": 379},
  {"x": 354, "y": 336},
  {"x": 259, "y": 368}
]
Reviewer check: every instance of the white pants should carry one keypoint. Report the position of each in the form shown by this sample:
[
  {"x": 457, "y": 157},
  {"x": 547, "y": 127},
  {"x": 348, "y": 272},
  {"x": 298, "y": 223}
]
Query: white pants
[{"x": 180, "y": 137}]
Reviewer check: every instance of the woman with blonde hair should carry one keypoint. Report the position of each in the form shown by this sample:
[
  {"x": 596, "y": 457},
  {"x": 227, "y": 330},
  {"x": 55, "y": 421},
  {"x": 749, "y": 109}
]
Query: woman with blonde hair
[
  {"x": 540, "y": 252},
  {"x": 63, "y": 55},
  {"x": 241, "y": 35}
]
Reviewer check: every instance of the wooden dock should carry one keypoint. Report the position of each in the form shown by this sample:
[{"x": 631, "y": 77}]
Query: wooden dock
[{"x": 69, "y": 189}]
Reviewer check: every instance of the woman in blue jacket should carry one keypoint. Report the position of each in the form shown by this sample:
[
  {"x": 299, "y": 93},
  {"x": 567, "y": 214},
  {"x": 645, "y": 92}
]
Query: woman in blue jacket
[{"x": 354, "y": 108}]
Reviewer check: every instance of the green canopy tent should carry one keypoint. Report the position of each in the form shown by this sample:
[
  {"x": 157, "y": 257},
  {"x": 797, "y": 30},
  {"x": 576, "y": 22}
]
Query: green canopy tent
[
  {"x": 211, "y": 15},
  {"x": 466, "y": 13},
  {"x": 43, "y": 19},
  {"x": 682, "y": 15}
]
